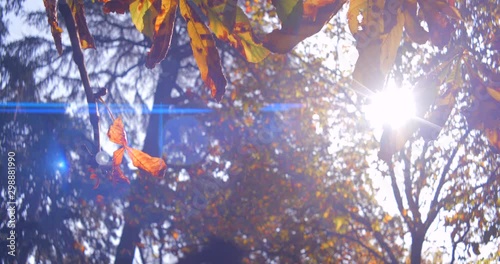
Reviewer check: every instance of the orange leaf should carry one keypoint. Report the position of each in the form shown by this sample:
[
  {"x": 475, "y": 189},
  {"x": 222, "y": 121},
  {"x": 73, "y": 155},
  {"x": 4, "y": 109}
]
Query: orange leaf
[
  {"x": 144, "y": 161},
  {"x": 79, "y": 247},
  {"x": 175, "y": 235},
  {"x": 99, "y": 198},
  {"x": 117, "y": 172},
  {"x": 116, "y": 133},
  {"x": 164, "y": 25},
  {"x": 93, "y": 176},
  {"x": 118, "y": 156}
]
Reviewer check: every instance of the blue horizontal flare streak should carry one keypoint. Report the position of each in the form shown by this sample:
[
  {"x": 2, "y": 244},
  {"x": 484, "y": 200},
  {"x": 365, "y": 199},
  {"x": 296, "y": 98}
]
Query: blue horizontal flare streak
[{"x": 61, "y": 108}]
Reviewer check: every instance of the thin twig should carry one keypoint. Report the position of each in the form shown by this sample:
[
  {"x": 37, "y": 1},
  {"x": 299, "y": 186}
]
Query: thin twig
[{"x": 79, "y": 60}]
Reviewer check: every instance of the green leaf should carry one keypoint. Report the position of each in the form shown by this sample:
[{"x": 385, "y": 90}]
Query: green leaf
[
  {"x": 289, "y": 12},
  {"x": 138, "y": 9},
  {"x": 241, "y": 36},
  {"x": 314, "y": 16}
]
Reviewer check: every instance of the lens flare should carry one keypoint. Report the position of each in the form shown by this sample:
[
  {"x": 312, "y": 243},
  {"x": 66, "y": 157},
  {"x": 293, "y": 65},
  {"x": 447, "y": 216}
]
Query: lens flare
[{"x": 392, "y": 106}]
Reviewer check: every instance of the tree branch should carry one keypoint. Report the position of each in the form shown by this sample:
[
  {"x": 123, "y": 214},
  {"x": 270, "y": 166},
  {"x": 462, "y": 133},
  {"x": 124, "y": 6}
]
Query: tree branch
[
  {"x": 397, "y": 195},
  {"x": 79, "y": 60},
  {"x": 434, "y": 208},
  {"x": 412, "y": 204}
]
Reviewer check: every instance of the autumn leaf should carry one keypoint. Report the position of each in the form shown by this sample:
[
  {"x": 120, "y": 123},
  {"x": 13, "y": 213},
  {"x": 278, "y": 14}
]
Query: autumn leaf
[
  {"x": 394, "y": 139},
  {"x": 116, "y": 132},
  {"x": 377, "y": 39},
  {"x": 138, "y": 10},
  {"x": 116, "y": 6},
  {"x": 379, "y": 33},
  {"x": 99, "y": 199},
  {"x": 412, "y": 24},
  {"x": 204, "y": 51},
  {"x": 78, "y": 11},
  {"x": 93, "y": 176},
  {"x": 443, "y": 104},
  {"x": 117, "y": 173},
  {"x": 390, "y": 44},
  {"x": 315, "y": 14},
  {"x": 144, "y": 161},
  {"x": 239, "y": 35},
  {"x": 164, "y": 25},
  {"x": 438, "y": 116},
  {"x": 356, "y": 8},
  {"x": 79, "y": 247},
  {"x": 494, "y": 92},
  {"x": 51, "y": 10},
  {"x": 436, "y": 13},
  {"x": 140, "y": 159},
  {"x": 483, "y": 115},
  {"x": 289, "y": 11}
]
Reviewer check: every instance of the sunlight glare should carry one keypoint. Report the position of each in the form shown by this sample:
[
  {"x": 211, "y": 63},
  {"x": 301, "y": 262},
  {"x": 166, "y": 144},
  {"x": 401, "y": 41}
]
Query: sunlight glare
[{"x": 392, "y": 106}]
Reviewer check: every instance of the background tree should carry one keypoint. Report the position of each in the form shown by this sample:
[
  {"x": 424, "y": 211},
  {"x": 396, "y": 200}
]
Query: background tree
[{"x": 286, "y": 186}]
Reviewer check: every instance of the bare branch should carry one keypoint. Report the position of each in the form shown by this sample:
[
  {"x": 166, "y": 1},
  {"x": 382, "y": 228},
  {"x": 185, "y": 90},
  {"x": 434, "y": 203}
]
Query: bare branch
[
  {"x": 79, "y": 60},
  {"x": 434, "y": 208}
]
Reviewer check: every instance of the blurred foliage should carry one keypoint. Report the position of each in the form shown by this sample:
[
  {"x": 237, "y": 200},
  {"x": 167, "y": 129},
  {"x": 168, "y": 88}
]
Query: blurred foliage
[{"x": 297, "y": 185}]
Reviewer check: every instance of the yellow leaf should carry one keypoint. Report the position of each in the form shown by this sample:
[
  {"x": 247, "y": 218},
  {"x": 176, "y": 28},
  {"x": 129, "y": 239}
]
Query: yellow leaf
[
  {"x": 390, "y": 45},
  {"x": 368, "y": 74},
  {"x": 204, "y": 51},
  {"x": 339, "y": 222},
  {"x": 495, "y": 93},
  {"x": 240, "y": 35},
  {"x": 138, "y": 9},
  {"x": 326, "y": 213},
  {"x": 356, "y": 7},
  {"x": 493, "y": 136}
]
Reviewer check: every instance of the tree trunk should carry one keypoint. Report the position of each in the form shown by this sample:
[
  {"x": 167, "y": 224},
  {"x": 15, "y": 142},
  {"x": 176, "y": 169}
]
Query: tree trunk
[
  {"x": 130, "y": 236},
  {"x": 417, "y": 241}
]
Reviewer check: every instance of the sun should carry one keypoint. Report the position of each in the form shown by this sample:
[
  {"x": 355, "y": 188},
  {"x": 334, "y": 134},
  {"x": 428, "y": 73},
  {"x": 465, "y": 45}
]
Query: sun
[{"x": 391, "y": 107}]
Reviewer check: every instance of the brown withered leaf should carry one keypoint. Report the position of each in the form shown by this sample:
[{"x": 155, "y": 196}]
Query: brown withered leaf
[
  {"x": 78, "y": 11},
  {"x": 436, "y": 14},
  {"x": 164, "y": 25},
  {"x": 116, "y": 6},
  {"x": 412, "y": 24},
  {"x": 51, "y": 10}
]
